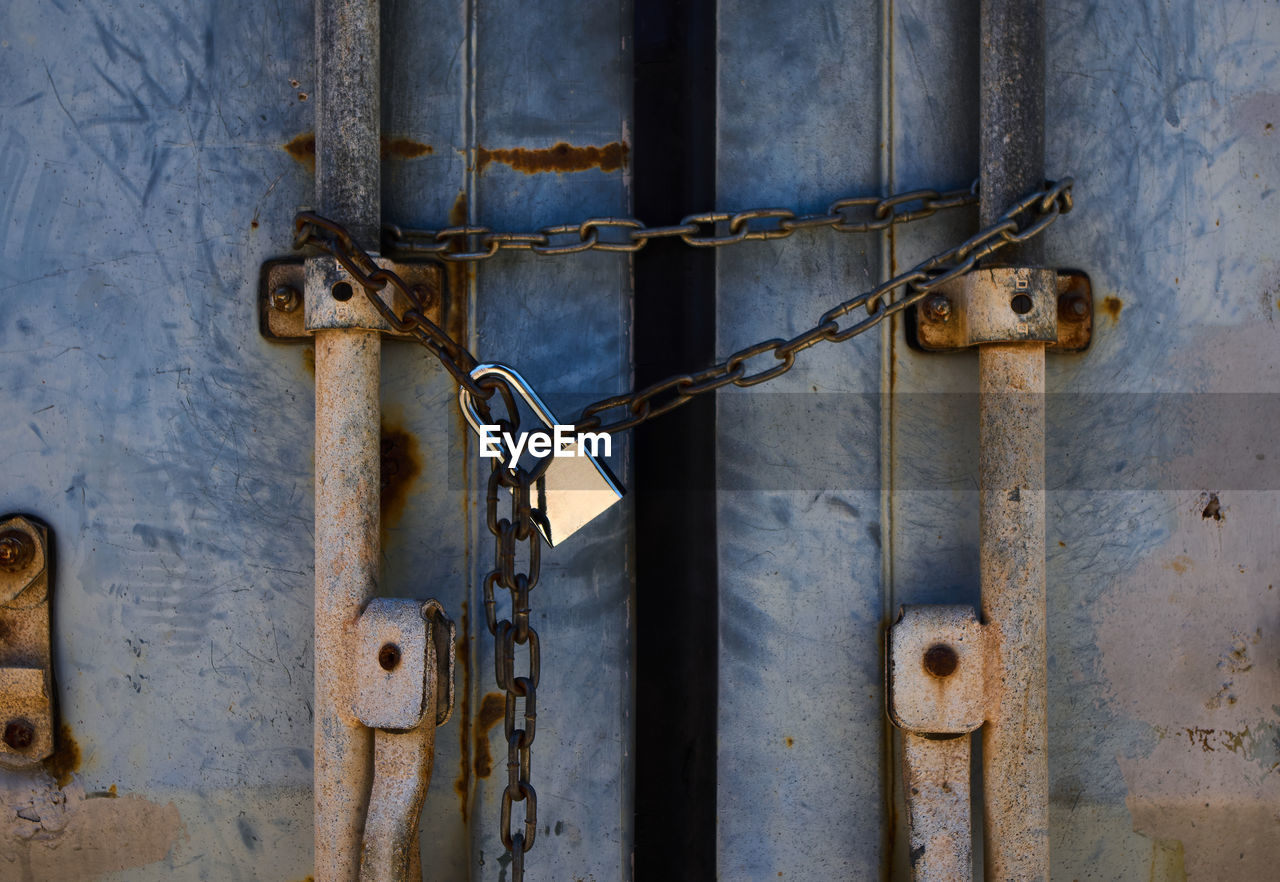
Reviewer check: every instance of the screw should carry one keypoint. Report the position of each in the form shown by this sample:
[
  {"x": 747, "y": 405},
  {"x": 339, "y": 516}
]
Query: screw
[
  {"x": 285, "y": 298},
  {"x": 937, "y": 308},
  {"x": 16, "y": 550},
  {"x": 19, "y": 734},
  {"x": 389, "y": 656},
  {"x": 941, "y": 660}
]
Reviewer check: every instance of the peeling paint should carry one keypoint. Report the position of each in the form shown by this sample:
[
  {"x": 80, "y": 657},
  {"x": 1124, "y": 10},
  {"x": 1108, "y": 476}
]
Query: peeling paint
[{"x": 54, "y": 832}]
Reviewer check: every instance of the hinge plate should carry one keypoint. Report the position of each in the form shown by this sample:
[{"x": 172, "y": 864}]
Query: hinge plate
[
  {"x": 26, "y": 657},
  {"x": 1007, "y": 304},
  {"x": 286, "y": 315}
]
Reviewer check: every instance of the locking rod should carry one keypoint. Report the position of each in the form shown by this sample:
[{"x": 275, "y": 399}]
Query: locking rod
[
  {"x": 1015, "y": 773},
  {"x": 347, "y": 431}
]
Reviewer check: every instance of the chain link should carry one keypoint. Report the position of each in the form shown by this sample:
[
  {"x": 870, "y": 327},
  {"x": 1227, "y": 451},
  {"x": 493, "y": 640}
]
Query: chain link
[
  {"x": 627, "y": 234},
  {"x": 1023, "y": 220},
  {"x": 508, "y": 633}
]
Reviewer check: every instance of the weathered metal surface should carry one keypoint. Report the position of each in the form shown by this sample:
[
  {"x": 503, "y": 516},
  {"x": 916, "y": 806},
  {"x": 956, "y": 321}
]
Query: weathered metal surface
[
  {"x": 935, "y": 667},
  {"x": 143, "y": 185},
  {"x": 533, "y": 79},
  {"x": 963, "y": 313},
  {"x": 404, "y": 674},
  {"x": 26, "y": 657},
  {"x": 175, "y": 450},
  {"x": 347, "y": 527},
  {"x": 282, "y": 298},
  {"x": 1015, "y": 763},
  {"x": 347, "y": 444},
  {"x": 1011, "y": 467},
  {"x": 798, "y": 473},
  {"x": 402, "y": 765},
  {"x": 935, "y": 778}
]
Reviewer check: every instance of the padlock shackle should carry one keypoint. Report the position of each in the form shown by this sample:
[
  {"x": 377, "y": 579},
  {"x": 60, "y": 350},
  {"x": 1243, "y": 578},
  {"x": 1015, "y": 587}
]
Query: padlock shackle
[{"x": 466, "y": 401}]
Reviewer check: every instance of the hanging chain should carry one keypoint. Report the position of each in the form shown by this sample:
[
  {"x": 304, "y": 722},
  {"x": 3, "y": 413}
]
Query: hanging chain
[
  {"x": 1023, "y": 220},
  {"x": 508, "y": 534},
  {"x": 627, "y": 234}
]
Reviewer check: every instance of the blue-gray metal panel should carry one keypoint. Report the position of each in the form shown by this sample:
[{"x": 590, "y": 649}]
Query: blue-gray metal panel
[
  {"x": 167, "y": 444},
  {"x": 1160, "y": 626},
  {"x": 545, "y": 75},
  {"x": 800, "y": 778}
]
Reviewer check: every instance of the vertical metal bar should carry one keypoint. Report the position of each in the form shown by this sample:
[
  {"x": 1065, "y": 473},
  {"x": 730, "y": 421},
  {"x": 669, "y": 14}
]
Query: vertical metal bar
[
  {"x": 936, "y": 774},
  {"x": 1015, "y": 771},
  {"x": 347, "y": 431}
]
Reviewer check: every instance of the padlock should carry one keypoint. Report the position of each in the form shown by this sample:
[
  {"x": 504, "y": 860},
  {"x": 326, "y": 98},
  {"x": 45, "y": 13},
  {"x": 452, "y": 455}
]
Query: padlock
[{"x": 574, "y": 488}]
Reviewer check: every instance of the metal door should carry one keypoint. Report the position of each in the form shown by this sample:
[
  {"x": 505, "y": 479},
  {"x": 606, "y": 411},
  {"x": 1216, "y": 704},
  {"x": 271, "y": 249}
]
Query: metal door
[{"x": 713, "y": 703}]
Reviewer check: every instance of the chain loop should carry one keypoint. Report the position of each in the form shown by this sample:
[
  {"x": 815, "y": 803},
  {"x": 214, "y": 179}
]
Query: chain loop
[{"x": 1025, "y": 219}]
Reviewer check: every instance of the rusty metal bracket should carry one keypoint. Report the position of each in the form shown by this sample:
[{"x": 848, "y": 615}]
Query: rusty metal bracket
[
  {"x": 26, "y": 658},
  {"x": 296, "y": 297},
  {"x": 404, "y": 654},
  {"x": 403, "y": 672},
  {"x": 936, "y": 673},
  {"x": 1008, "y": 305}
]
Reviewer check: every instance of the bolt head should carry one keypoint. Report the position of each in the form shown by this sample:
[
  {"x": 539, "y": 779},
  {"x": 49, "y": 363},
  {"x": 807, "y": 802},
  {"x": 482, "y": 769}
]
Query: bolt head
[
  {"x": 389, "y": 656},
  {"x": 941, "y": 660},
  {"x": 937, "y": 308},
  {"x": 285, "y": 298},
  {"x": 16, "y": 550},
  {"x": 19, "y": 734}
]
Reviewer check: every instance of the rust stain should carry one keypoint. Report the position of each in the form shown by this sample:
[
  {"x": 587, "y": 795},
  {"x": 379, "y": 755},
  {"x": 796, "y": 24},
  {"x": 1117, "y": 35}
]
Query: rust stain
[
  {"x": 463, "y": 661},
  {"x": 1112, "y": 306},
  {"x": 790, "y": 742},
  {"x": 457, "y": 279},
  {"x": 401, "y": 464},
  {"x": 559, "y": 158},
  {"x": 493, "y": 707},
  {"x": 303, "y": 147},
  {"x": 404, "y": 148},
  {"x": 309, "y": 359},
  {"x": 1180, "y": 564},
  {"x": 65, "y": 760}
]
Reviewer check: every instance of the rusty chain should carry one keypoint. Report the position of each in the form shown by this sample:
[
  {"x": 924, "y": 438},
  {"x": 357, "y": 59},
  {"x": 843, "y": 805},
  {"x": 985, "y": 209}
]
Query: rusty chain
[
  {"x": 508, "y": 533},
  {"x": 475, "y": 243},
  {"x": 1023, "y": 220}
]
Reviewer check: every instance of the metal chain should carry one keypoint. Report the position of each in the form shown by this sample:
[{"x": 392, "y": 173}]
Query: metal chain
[
  {"x": 508, "y": 533},
  {"x": 1023, "y": 220},
  {"x": 474, "y": 243}
]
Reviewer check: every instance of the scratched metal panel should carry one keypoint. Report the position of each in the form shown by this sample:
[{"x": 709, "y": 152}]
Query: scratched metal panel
[
  {"x": 560, "y": 74},
  {"x": 1161, "y": 617},
  {"x": 142, "y": 183},
  {"x": 801, "y": 728}
]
